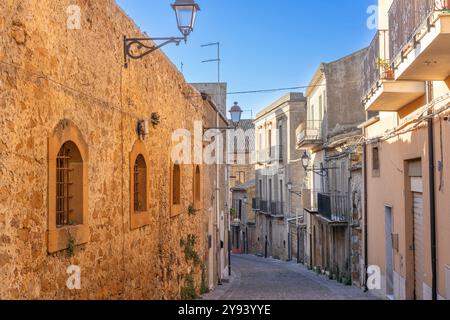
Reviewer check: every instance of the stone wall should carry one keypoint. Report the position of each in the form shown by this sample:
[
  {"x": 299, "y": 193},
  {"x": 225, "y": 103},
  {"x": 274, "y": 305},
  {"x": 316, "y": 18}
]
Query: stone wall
[{"x": 49, "y": 73}]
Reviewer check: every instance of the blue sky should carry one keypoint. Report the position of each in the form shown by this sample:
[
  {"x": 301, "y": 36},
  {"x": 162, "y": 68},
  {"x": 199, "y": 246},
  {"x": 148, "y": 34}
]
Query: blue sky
[{"x": 265, "y": 44}]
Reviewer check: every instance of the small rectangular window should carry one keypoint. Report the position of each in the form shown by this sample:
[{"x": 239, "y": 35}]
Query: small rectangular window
[{"x": 375, "y": 162}]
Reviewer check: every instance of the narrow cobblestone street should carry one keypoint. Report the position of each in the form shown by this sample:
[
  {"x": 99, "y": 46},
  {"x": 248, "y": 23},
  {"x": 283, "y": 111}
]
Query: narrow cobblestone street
[{"x": 257, "y": 278}]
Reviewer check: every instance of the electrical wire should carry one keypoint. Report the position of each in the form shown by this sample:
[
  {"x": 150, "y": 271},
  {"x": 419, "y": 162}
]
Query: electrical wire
[{"x": 100, "y": 102}]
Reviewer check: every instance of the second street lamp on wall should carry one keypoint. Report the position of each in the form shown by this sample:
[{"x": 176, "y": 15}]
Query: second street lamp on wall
[
  {"x": 236, "y": 114},
  {"x": 186, "y": 13},
  {"x": 322, "y": 171},
  {"x": 305, "y": 161}
]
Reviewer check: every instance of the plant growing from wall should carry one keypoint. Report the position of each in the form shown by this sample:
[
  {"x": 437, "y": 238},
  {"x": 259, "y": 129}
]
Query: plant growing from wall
[
  {"x": 155, "y": 119},
  {"x": 204, "y": 284},
  {"x": 189, "y": 249},
  {"x": 191, "y": 210},
  {"x": 71, "y": 243},
  {"x": 188, "y": 291}
]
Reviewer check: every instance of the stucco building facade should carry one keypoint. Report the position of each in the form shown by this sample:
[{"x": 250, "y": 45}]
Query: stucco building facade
[
  {"x": 330, "y": 137},
  {"x": 278, "y": 170},
  {"x": 407, "y": 100}
]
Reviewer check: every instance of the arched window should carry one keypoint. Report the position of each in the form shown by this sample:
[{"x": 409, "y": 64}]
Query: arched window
[
  {"x": 69, "y": 186},
  {"x": 175, "y": 190},
  {"x": 197, "y": 186},
  {"x": 176, "y": 185},
  {"x": 140, "y": 185}
]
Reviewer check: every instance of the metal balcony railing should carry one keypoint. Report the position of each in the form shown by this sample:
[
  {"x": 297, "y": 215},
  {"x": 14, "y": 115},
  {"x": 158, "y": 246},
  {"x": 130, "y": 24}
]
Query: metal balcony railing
[
  {"x": 376, "y": 65},
  {"x": 407, "y": 17},
  {"x": 334, "y": 206},
  {"x": 310, "y": 130},
  {"x": 277, "y": 208},
  {"x": 263, "y": 206}
]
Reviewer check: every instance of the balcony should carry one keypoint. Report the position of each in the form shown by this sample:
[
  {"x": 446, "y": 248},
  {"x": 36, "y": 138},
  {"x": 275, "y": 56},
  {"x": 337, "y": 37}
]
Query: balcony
[
  {"x": 420, "y": 39},
  {"x": 381, "y": 91},
  {"x": 277, "y": 209},
  {"x": 334, "y": 207},
  {"x": 309, "y": 134},
  {"x": 263, "y": 206}
]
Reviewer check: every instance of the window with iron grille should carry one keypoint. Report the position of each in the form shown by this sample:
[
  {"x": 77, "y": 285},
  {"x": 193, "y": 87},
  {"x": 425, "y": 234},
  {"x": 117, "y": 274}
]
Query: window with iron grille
[{"x": 69, "y": 186}]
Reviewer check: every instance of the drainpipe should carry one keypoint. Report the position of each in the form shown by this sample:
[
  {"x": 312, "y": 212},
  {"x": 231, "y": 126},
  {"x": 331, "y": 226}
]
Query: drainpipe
[
  {"x": 350, "y": 216},
  {"x": 431, "y": 177},
  {"x": 366, "y": 247}
]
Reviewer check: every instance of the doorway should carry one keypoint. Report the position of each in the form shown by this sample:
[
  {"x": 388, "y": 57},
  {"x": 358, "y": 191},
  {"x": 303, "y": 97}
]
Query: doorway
[
  {"x": 388, "y": 222},
  {"x": 418, "y": 245}
]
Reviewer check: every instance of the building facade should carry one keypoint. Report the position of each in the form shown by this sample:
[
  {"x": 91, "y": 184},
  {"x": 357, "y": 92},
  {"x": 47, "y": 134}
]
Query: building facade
[
  {"x": 277, "y": 170},
  {"x": 329, "y": 138},
  {"x": 241, "y": 153},
  {"x": 243, "y": 218},
  {"x": 407, "y": 99},
  {"x": 88, "y": 185}
]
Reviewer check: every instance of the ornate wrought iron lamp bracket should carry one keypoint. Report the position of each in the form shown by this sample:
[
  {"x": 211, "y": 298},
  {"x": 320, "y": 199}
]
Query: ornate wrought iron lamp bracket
[{"x": 140, "y": 44}]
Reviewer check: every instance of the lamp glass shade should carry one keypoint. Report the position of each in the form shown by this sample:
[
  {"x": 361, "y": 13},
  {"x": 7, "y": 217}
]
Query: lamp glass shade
[
  {"x": 186, "y": 12},
  {"x": 236, "y": 113},
  {"x": 305, "y": 160}
]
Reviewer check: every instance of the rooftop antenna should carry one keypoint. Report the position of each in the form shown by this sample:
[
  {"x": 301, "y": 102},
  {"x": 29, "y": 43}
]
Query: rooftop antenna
[
  {"x": 214, "y": 60},
  {"x": 217, "y": 44}
]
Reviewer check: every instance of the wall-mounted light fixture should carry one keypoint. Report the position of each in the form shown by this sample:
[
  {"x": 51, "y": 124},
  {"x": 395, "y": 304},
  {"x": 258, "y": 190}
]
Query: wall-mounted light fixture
[
  {"x": 322, "y": 171},
  {"x": 186, "y": 13},
  {"x": 236, "y": 114},
  {"x": 290, "y": 189}
]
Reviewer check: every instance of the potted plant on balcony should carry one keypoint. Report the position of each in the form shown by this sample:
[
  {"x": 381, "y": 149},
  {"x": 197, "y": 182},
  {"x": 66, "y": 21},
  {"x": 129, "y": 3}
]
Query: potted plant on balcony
[
  {"x": 385, "y": 66},
  {"x": 233, "y": 214}
]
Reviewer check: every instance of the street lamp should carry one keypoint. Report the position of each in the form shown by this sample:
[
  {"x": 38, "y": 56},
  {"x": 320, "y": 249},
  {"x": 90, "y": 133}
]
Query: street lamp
[
  {"x": 236, "y": 114},
  {"x": 185, "y": 12},
  {"x": 305, "y": 161},
  {"x": 323, "y": 172}
]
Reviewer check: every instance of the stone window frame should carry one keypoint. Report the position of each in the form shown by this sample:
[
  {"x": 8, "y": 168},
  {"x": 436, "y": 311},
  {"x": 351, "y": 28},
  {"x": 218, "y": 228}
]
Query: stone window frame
[
  {"x": 139, "y": 219},
  {"x": 58, "y": 238},
  {"x": 175, "y": 209},
  {"x": 198, "y": 203}
]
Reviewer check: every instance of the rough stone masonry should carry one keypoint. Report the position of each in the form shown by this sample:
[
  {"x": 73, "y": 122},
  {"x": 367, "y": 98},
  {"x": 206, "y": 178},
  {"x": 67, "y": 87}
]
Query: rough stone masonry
[{"x": 48, "y": 73}]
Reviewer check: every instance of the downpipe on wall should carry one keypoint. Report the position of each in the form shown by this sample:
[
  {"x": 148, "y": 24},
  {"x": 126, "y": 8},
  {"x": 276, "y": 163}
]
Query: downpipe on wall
[
  {"x": 432, "y": 183},
  {"x": 366, "y": 247}
]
